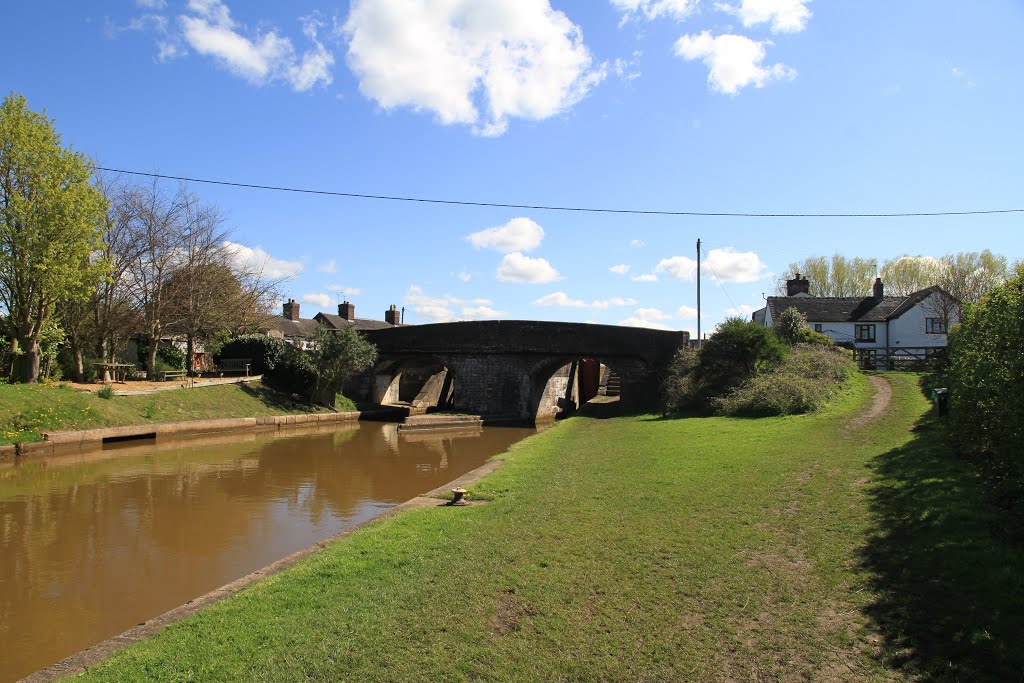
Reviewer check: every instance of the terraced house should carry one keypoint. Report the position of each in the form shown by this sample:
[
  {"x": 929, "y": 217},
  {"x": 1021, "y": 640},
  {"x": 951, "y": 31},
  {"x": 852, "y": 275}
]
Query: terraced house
[{"x": 883, "y": 332}]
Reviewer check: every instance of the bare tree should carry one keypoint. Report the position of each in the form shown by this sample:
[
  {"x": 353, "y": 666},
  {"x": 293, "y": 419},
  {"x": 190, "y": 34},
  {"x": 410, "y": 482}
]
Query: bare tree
[
  {"x": 905, "y": 275},
  {"x": 155, "y": 227}
]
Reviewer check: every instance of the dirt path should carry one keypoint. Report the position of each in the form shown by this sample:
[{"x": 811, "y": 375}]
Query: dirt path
[{"x": 883, "y": 395}]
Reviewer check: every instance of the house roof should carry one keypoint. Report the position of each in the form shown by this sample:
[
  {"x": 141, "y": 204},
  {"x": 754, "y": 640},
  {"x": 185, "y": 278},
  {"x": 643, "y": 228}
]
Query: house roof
[
  {"x": 337, "y": 322},
  {"x": 303, "y": 327},
  {"x": 848, "y": 308}
]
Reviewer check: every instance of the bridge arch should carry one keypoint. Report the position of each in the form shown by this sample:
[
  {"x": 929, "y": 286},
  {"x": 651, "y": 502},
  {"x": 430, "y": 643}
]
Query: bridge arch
[
  {"x": 419, "y": 381},
  {"x": 503, "y": 367},
  {"x": 558, "y": 385}
]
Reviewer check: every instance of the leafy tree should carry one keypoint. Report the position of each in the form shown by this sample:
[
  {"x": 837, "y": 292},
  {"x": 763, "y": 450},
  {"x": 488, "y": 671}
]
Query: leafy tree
[
  {"x": 264, "y": 353},
  {"x": 837, "y": 276},
  {"x": 737, "y": 350},
  {"x": 986, "y": 372},
  {"x": 337, "y": 355},
  {"x": 51, "y": 226},
  {"x": 905, "y": 275}
]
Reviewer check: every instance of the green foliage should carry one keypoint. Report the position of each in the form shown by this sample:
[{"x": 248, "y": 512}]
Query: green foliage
[
  {"x": 336, "y": 356},
  {"x": 51, "y": 225},
  {"x": 986, "y": 372},
  {"x": 173, "y": 357},
  {"x": 264, "y": 352},
  {"x": 292, "y": 372},
  {"x": 107, "y": 392},
  {"x": 789, "y": 326},
  {"x": 808, "y": 379},
  {"x": 737, "y": 351},
  {"x": 808, "y": 336}
]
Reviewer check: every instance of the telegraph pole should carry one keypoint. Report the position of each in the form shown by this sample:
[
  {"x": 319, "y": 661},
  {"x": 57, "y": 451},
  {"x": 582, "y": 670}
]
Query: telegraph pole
[{"x": 698, "y": 292}]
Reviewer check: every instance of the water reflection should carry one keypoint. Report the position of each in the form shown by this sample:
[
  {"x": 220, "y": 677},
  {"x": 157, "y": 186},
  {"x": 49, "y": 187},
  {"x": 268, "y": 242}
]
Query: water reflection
[{"x": 91, "y": 544}]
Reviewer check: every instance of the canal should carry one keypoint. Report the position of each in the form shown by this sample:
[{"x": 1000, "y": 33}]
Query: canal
[{"x": 92, "y": 544}]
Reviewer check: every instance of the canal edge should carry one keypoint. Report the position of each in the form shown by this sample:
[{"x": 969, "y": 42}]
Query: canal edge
[{"x": 98, "y": 653}]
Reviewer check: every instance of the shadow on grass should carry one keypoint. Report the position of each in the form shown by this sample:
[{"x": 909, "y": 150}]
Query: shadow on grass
[
  {"x": 274, "y": 399},
  {"x": 950, "y": 580}
]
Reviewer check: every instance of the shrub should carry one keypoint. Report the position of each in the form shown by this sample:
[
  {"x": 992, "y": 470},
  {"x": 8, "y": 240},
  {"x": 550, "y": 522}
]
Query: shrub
[
  {"x": 263, "y": 352},
  {"x": 736, "y": 352},
  {"x": 292, "y": 372},
  {"x": 809, "y": 336},
  {"x": 172, "y": 357},
  {"x": 807, "y": 380},
  {"x": 790, "y": 324},
  {"x": 106, "y": 392}
]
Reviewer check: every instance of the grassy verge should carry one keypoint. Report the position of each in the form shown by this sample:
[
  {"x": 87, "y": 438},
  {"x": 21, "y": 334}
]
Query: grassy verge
[
  {"x": 27, "y": 411},
  {"x": 622, "y": 549}
]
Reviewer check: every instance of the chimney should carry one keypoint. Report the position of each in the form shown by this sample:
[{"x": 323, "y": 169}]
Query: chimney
[
  {"x": 347, "y": 311},
  {"x": 798, "y": 285},
  {"x": 391, "y": 315},
  {"x": 879, "y": 288},
  {"x": 291, "y": 309}
]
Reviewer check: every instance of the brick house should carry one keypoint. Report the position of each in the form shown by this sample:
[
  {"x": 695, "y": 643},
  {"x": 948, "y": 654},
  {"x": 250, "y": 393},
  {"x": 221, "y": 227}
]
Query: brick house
[{"x": 298, "y": 331}]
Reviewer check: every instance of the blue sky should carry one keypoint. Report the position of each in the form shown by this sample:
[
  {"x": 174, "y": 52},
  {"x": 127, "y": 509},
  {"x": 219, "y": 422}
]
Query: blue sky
[{"x": 767, "y": 106}]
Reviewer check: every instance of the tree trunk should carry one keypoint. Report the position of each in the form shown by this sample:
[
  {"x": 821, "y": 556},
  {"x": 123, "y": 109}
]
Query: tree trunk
[
  {"x": 190, "y": 355},
  {"x": 151, "y": 358},
  {"x": 27, "y": 363},
  {"x": 76, "y": 357}
]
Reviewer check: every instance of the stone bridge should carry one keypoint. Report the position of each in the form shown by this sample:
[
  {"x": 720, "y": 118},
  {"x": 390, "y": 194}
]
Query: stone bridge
[{"x": 515, "y": 368}]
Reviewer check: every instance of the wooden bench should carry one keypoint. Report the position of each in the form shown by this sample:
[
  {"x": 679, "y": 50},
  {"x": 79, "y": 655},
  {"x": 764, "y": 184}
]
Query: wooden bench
[
  {"x": 173, "y": 374},
  {"x": 234, "y": 365}
]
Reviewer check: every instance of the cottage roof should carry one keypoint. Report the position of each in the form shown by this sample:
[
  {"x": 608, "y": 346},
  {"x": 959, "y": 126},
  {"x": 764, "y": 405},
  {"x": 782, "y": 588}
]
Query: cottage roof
[
  {"x": 303, "y": 327},
  {"x": 337, "y": 322},
  {"x": 831, "y": 309}
]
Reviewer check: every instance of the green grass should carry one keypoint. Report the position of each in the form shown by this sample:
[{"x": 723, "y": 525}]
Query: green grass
[
  {"x": 640, "y": 548},
  {"x": 27, "y": 411}
]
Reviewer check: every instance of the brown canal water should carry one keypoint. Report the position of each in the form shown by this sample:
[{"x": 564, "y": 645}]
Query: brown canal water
[{"x": 92, "y": 544}]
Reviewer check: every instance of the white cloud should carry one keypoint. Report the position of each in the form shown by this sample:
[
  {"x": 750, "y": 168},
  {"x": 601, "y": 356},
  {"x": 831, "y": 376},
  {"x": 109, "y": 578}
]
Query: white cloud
[
  {"x": 686, "y": 313},
  {"x": 255, "y": 259},
  {"x": 465, "y": 277},
  {"x": 626, "y": 69},
  {"x": 679, "y": 267},
  {"x": 647, "y": 317},
  {"x": 565, "y": 301},
  {"x": 733, "y": 62},
  {"x": 785, "y": 16},
  {"x": 636, "y": 244},
  {"x": 478, "y": 312},
  {"x": 730, "y": 265},
  {"x": 518, "y": 268},
  {"x": 328, "y": 267},
  {"x": 519, "y": 234},
  {"x": 345, "y": 291},
  {"x": 262, "y": 58},
  {"x": 318, "y": 300},
  {"x": 442, "y": 308},
  {"x": 620, "y": 269},
  {"x": 646, "y": 277},
  {"x": 654, "y": 9},
  {"x": 743, "y": 310},
  {"x": 151, "y": 4},
  {"x": 469, "y": 61}
]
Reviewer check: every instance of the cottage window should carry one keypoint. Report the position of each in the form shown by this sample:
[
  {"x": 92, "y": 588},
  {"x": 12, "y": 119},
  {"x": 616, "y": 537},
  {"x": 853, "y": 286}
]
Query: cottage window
[
  {"x": 817, "y": 327},
  {"x": 864, "y": 333},
  {"x": 935, "y": 326}
]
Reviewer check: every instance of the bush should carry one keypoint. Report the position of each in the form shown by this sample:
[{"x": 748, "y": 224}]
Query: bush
[
  {"x": 263, "y": 352},
  {"x": 807, "y": 380},
  {"x": 790, "y": 324},
  {"x": 106, "y": 392},
  {"x": 985, "y": 369},
  {"x": 292, "y": 372},
  {"x": 736, "y": 352},
  {"x": 172, "y": 357}
]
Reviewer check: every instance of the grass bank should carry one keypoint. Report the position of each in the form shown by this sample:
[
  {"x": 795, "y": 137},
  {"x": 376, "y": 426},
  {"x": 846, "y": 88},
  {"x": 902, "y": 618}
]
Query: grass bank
[
  {"x": 633, "y": 548},
  {"x": 28, "y": 411}
]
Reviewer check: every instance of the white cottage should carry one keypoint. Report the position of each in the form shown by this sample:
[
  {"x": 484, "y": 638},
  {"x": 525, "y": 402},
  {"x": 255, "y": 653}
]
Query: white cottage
[{"x": 883, "y": 331}]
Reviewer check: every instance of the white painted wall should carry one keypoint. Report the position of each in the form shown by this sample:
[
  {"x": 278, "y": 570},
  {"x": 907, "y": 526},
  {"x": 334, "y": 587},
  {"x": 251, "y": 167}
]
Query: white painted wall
[{"x": 909, "y": 328}]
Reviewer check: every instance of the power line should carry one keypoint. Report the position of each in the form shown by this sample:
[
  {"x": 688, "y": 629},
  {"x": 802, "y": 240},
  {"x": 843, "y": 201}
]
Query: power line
[
  {"x": 542, "y": 207},
  {"x": 721, "y": 286}
]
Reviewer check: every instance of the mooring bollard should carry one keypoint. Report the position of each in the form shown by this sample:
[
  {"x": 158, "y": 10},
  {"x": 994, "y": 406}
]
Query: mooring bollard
[{"x": 459, "y": 496}]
